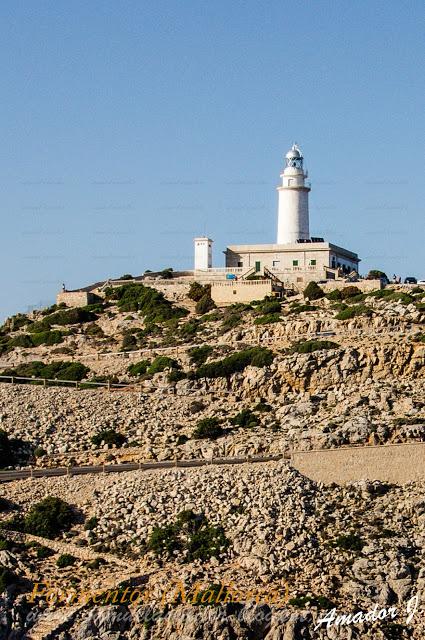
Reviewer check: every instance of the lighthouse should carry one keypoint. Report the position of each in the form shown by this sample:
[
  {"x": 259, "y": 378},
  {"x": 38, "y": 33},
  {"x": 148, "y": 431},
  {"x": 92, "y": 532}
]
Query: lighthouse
[{"x": 293, "y": 219}]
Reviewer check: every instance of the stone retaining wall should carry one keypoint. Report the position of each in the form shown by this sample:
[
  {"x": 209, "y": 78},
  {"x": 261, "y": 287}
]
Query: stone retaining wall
[{"x": 398, "y": 463}]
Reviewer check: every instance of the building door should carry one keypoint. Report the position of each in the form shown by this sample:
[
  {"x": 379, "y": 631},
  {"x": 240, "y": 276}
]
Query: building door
[{"x": 257, "y": 266}]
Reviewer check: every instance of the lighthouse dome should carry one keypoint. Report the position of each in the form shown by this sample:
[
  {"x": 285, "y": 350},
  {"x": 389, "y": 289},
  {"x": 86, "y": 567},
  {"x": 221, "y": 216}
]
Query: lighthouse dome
[{"x": 294, "y": 152}]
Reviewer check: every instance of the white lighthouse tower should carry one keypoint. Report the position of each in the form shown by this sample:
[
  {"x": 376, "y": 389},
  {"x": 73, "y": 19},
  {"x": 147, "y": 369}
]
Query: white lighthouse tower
[{"x": 293, "y": 219}]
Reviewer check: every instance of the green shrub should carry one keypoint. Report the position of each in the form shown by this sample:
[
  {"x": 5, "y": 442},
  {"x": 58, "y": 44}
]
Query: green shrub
[
  {"x": 129, "y": 342},
  {"x": 268, "y": 319},
  {"x": 21, "y": 340},
  {"x": 313, "y": 291},
  {"x": 94, "y": 329},
  {"x": 151, "y": 303},
  {"x": 59, "y": 370},
  {"x": 350, "y": 292},
  {"x": 198, "y": 355},
  {"x": 334, "y": 295},
  {"x": 208, "y": 428},
  {"x": 108, "y": 436},
  {"x": 192, "y": 535},
  {"x": 47, "y": 337},
  {"x": 245, "y": 419},
  {"x": 269, "y": 305},
  {"x": 205, "y": 304},
  {"x": 39, "y": 452},
  {"x": 161, "y": 363},
  {"x": 349, "y": 542},
  {"x": 138, "y": 368},
  {"x": 300, "y": 308},
  {"x": 91, "y": 523},
  {"x": 189, "y": 329},
  {"x": 230, "y": 321},
  {"x": 313, "y": 345},
  {"x": 15, "y": 322},
  {"x": 197, "y": 291},
  {"x": 353, "y": 312},
  {"x": 256, "y": 356},
  {"x": 43, "y": 552},
  {"x": 376, "y": 274},
  {"x": 176, "y": 375},
  {"x": 47, "y": 519},
  {"x": 65, "y": 560}
]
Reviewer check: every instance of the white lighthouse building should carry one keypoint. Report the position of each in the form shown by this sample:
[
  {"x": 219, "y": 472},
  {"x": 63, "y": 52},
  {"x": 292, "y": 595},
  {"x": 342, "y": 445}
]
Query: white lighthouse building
[
  {"x": 293, "y": 220},
  {"x": 296, "y": 257}
]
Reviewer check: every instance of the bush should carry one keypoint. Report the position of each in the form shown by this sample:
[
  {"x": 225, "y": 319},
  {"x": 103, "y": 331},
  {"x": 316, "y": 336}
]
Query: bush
[
  {"x": 47, "y": 337},
  {"x": 208, "y": 428},
  {"x": 350, "y": 292},
  {"x": 256, "y": 356},
  {"x": 198, "y": 355},
  {"x": 245, "y": 419},
  {"x": 313, "y": 345},
  {"x": 268, "y": 319},
  {"x": 91, "y": 523},
  {"x": 313, "y": 291},
  {"x": 139, "y": 368},
  {"x": 189, "y": 329},
  {"x": 299, "y": 308},
  {"x": 47, "y": 519},
  {"x": 192, "y": 535},
  {"x": 353, "y": 312},
  {"x": 22, "y": 340},
  {"x": 231, "y": 321},
  {"x": 161, "y": 363},
  {"x": 349, "y": 542},
  {"x": 59, "y": 370},
  {"x": 65, "y": 560},
  {"x": 269, "y": 305},
  {"x": 375, "y": 274},
  {"x": 108, "y": 436},
  {"x": 39, "y": 452},
  {"x": 43, "y": 552},
  {"x": 176, "y": 375},
  {"x": 129, "y": 342},
  {"x": 205, "y": 304},
  {"x": 334, "y": 295},
  {"x": 151, "y": 303},
  {"x": 197, "y": 291}
]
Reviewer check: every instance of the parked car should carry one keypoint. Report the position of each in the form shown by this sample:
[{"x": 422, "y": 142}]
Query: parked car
[
  {"x": 410, "y": 280},
  {"x": 422, "y": 282}
]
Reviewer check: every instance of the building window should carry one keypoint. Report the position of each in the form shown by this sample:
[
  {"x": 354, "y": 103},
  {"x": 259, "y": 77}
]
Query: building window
[
  {"x": 257, "y": 266},
  {"x": 276, "y": 263},
  {"x": 295, "y": 263},
  {"x": 313, "y": 263},
  {"x": 240, "y": 264}
]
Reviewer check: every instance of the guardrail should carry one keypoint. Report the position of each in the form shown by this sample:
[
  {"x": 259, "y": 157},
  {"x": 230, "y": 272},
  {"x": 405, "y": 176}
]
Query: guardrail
[{"x": 10, "y": 476}]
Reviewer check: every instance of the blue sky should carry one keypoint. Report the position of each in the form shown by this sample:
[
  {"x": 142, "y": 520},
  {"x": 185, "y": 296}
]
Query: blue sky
[{"x": 130, "y": 127}]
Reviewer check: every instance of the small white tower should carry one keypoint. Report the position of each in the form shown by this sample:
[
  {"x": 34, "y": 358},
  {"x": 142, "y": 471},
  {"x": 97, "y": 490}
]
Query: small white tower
[
  {"x": 203, "y": 253},
  {"x": 293, "y": 219}
]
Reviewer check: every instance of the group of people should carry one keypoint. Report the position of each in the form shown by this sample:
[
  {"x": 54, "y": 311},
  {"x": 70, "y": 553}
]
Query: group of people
[{"x": 396, "y": 279}]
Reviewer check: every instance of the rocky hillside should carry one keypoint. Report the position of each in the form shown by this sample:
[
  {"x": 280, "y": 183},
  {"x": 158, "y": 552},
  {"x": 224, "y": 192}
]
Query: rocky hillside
[{"x": 159, "y": 374}]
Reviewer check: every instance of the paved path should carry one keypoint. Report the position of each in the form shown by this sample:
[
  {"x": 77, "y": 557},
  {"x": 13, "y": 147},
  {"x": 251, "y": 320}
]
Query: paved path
[{"x": 12, "y": 475}]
